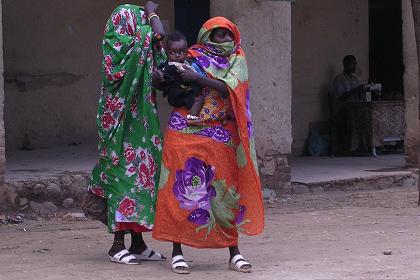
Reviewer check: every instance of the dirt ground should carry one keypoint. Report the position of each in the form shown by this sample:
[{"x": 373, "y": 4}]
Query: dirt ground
[{"x": 331, "y": 235}]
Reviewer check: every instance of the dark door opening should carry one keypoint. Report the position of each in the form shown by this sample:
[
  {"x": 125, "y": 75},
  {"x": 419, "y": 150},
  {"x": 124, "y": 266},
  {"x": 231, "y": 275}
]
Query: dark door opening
[
  {"x": 386, "y": 47},
  {"x": 190, "y": 16}
]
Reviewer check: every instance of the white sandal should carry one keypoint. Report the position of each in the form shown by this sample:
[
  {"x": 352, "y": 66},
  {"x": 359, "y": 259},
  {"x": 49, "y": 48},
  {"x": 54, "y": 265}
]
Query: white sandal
[
  {"x": 179, "y": 262},
  {"x": 124, "y": 257},
  {"x": 237, "y": 262},
  {"x": 150, "y": 255}
]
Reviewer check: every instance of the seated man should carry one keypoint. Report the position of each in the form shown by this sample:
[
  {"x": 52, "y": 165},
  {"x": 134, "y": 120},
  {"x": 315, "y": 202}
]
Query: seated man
[{"x": 346, "y": 87}]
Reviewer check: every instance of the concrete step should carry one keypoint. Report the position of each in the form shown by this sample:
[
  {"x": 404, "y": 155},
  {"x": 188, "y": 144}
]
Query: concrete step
[{"x": 400, "y": 179}]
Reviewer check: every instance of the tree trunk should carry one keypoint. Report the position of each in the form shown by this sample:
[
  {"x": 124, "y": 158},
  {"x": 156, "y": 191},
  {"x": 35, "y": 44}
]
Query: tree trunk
[{"x": 416, "y": 15}]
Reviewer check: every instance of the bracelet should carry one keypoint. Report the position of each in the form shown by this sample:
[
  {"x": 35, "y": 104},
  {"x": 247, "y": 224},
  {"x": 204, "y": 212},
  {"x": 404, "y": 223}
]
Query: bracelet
[{"x": 152, "y": 15}]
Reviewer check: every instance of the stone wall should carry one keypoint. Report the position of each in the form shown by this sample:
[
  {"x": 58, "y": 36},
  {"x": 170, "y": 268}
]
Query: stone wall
[
  {"x": 411, "y": 91},
  {"x": 266, "y": 39},
  {"x": 52, "y": 56},
  {"x": 323, "y": 32}
]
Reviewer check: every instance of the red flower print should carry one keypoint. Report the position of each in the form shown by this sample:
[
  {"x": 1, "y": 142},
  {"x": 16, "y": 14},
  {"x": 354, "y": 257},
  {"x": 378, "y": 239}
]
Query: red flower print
[
  {"x": 119, "y": 75},
  {"x": 129, "y": 154},
  {"x": 157, "y": 141},
  {"x": 104, "y": 177},
  {"x": 113, "y": 104},
  {"x": 133, "y": 106},
  {"x": 108, "y": 60},
  {"x": 132, "y": 169},
  {"x": 138, "y": 36},
  {"x": 143, "y": 173},
  {"x": 145, "y": 178},
  {"x": 117, "y": 45},
  {"x": 152, "y": 166},
  {"x": 143, "y": 155},
  {"x": 147, "y": 42},
  {"x": 129, "y": 21},
  {"x": 116, "y": 19},
  {"x": 127, "y": 207},
  {"x": 115, "y": 159},
  {"x": 98, "y": 191},
  {"x": 107, "y": 120},
  {"x": 103, "y": 152}
]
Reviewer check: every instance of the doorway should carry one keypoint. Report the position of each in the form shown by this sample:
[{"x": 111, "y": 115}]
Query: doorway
[
  {"x": 190, "y": 16},
  {"x": 386, "y": 47}
]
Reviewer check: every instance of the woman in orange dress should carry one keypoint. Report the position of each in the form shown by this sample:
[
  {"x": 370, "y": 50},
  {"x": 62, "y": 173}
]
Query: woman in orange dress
[{"x": 209, "y": 186}]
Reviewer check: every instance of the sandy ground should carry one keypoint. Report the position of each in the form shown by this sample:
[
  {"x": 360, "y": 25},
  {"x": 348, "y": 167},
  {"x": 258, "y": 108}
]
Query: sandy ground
[{"x": 333, "y": 235}]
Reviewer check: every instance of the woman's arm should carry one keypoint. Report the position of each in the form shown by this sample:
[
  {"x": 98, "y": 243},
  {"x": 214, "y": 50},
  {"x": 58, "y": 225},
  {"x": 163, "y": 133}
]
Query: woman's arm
[
  {"x": 191, "y": 76},
  {"x": 155, "y": 22}
]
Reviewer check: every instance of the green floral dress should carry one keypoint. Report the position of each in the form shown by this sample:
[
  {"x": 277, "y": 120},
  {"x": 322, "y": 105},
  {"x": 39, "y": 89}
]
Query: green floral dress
[{"x": 127, "y": 172}]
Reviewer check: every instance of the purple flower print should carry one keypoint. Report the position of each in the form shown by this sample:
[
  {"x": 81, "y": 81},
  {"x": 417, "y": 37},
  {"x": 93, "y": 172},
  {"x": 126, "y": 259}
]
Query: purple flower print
[
  {"x": 221, "y": 62},
  {"x": 177, "y": 121},
  {"x": 203, "y": 61},
  {"x": 221, "y": 134},
  {"x": 208, "y": 132},
  {"x": 193, "y": 187},
  {"x": 241, "y": 214},
  {"x": 218, "y": 133},
  {"x": 199, "y": 217},
  {"x": 248, "y": 115}
]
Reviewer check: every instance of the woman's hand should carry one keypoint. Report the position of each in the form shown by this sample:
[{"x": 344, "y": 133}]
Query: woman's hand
[
  {"x": 157, "y": 79},
  {"x": 188, "y": 75},
  {"x": 151, "y": 7}
]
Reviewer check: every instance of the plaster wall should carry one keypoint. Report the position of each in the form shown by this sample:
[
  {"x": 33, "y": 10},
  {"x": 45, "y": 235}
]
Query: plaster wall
[
  {"x": 411, "y": 91},
  {"x": 52, "y": 56},
  {"x": 323, "y": 32}
]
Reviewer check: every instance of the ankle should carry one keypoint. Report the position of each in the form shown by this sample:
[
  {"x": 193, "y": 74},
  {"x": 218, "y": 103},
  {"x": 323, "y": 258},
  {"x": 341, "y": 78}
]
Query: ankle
[
  {"x": 116, "y": 247},
  {"x": 138, "y": 247},
  {"x": 233, "y": 251},
  {"x": 177, "y": 250}
]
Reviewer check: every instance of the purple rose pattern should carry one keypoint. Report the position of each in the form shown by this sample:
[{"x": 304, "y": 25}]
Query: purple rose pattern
[
  {"x": 241, "y": 215},
  {"x": 199, "y": 217},
  {"x": 194, "y": 191},
  {"x": 193, "y": 187}
]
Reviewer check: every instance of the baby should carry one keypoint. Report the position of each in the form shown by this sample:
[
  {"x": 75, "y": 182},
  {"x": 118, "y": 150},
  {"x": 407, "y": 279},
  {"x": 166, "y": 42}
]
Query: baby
[{"x": 180, "y": 94}]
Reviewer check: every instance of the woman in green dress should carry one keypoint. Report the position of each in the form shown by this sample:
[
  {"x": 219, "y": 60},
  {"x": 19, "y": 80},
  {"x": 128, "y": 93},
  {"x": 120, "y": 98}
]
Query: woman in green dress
[{"x": 127, "y": 172}]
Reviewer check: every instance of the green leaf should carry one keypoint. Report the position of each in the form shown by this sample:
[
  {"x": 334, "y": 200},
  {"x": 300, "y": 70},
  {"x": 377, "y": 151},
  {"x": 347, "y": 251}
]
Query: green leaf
[
  {"x": 223, "y": 203},
  {"x": 253, "y": 154},
  {"x": 241, "y": 156},
  {"x": 164, "y": 176}
]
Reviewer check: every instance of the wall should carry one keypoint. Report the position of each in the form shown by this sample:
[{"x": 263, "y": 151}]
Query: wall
[
  {"x": 3, "y": 197},
  {"x": 411, "y": 91},
  {"x": 266, "y": 39},
  {"x": 323, "y": 32},
  {"x": 52, "y": 69}
]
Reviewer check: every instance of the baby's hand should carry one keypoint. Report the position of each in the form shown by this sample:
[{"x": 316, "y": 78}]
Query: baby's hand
[{"x": 188, "y": 75}]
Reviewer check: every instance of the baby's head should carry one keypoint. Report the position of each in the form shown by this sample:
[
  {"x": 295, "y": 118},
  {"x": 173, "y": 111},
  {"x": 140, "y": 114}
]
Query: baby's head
[{"x": 176, "y": 47}]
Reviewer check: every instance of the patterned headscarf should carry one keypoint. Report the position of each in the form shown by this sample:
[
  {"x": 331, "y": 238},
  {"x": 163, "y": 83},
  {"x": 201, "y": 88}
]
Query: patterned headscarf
[{"x": 225, "y": 61}]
